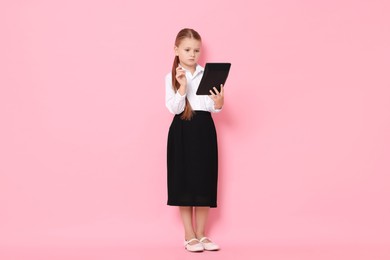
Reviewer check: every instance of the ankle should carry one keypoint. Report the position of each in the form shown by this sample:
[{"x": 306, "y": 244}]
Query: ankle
[
  {"x": 189, "y": 236},
  {"x": 199, "y": 235}
]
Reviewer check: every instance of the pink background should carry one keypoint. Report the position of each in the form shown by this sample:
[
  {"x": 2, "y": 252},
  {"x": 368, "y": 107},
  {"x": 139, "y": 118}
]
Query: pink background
[{"x": 304, "y": 136}]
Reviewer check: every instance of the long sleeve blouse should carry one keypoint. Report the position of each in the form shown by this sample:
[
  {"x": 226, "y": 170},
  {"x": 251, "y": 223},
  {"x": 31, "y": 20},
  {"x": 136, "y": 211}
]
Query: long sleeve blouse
[{"x": 176, "y": 102}]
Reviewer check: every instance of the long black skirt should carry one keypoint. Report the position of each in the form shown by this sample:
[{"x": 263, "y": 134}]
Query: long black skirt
[{"x": 192, "y": 161}]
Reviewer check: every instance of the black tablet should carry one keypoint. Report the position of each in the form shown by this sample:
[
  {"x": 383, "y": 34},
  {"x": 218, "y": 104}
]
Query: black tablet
[{"x": 214, "y": 75}]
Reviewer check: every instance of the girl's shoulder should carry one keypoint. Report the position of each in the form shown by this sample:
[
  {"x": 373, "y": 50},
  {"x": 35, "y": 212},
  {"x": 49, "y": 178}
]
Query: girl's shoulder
[
  {"x": 168, "y": 79},
  {"x": 168, "y": 75}
]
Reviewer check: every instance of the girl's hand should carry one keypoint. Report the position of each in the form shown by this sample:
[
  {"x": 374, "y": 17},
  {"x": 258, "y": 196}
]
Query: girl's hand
[
  {"x": 218, "y": 97},
  {"x": 181, "y": 76}
]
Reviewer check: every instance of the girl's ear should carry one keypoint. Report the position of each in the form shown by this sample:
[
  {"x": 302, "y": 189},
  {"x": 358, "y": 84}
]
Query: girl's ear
[{"x": 176, "y": 50}]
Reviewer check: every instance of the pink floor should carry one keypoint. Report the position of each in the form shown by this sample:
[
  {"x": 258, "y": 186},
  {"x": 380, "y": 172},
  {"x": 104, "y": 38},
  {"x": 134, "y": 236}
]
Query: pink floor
[{"x": 177, "y": 253}]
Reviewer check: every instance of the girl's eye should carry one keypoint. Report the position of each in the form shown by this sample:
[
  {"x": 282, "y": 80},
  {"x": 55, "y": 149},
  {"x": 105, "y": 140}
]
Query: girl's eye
[
  {"x": 187, "y": 50},
  {"x": 197, "y": 50}
]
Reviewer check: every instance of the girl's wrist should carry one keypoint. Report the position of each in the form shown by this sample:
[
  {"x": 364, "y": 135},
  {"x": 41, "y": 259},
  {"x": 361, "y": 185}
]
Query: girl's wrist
[
  {"x": 182, "y": 90},
  {"x": 218, "y": 106}
]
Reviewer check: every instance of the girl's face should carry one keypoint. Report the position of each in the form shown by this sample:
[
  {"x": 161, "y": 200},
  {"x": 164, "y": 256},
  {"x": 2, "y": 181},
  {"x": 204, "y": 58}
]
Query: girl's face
[{"x": 188, "y": 52}]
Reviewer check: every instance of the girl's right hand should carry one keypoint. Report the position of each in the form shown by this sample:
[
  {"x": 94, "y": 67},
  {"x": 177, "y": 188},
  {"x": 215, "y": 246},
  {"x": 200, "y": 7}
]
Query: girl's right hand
[{"x": 181, "y": 76}]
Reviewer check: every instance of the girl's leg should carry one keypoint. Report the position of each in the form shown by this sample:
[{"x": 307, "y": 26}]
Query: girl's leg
[
  {"x": 186, "y": 217},
  {"x": 201, "y": 214}
]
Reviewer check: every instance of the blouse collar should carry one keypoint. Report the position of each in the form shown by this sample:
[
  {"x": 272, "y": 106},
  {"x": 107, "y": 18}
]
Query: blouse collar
[{"x": 198, "y": 70}]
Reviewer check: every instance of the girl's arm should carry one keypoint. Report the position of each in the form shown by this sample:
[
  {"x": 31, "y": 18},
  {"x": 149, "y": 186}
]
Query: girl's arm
[
  {"x": 173, "y": 101},
  {"x": 216, "y": 100}
]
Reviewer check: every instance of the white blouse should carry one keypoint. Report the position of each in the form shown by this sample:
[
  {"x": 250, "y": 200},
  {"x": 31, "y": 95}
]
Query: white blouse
[{"x": 176, "y": 102}]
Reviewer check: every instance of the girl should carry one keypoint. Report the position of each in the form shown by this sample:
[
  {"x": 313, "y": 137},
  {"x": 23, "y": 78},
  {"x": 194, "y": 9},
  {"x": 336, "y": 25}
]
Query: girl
[{"x": 192, "y": 155}]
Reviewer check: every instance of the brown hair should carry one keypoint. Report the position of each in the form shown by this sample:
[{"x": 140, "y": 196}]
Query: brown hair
[{"x": 183, "y": 34}]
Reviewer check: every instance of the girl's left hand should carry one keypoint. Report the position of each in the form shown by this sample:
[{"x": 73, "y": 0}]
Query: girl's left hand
[{"x": 218, "y": 97}]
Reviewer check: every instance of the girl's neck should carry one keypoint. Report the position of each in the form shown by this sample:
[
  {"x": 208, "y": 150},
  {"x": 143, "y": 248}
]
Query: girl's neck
[{"x": 190, "y": 69}]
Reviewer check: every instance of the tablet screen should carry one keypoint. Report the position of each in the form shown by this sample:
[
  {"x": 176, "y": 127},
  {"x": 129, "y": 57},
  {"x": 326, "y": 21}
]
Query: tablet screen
[{"x": 214, "y": 75}]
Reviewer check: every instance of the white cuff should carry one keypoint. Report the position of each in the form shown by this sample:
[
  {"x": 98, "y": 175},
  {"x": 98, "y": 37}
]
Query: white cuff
[{"x": 180, "y": 96}]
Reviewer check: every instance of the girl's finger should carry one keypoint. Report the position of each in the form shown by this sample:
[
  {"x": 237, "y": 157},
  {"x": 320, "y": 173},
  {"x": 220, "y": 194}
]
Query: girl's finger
[
  {"x": 179, "y": 75},
  {"x": 216, "y": 90},
  {"x": 179, "y": 71}
]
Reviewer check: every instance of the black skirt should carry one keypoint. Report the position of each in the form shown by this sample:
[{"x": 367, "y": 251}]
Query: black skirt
[{"x": 192, "y": 161}]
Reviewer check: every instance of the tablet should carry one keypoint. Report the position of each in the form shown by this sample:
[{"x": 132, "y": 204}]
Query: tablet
[{"x": 214, "y": 75}]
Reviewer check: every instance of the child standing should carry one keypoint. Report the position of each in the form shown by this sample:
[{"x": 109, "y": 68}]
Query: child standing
[{"x": 192, "y": 152}]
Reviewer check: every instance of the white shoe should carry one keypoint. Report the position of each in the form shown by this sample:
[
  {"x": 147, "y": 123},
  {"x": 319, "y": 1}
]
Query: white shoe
[
  {"x": 198, "y": 247},
  {"x": 210, "y": 246}
]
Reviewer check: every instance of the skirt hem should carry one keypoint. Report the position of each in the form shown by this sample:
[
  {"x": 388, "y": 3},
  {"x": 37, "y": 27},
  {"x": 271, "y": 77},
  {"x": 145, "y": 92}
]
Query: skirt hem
[{"x": 192, "y": 205}]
